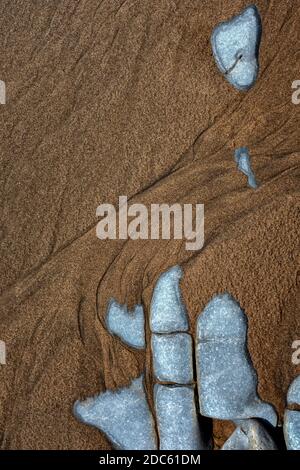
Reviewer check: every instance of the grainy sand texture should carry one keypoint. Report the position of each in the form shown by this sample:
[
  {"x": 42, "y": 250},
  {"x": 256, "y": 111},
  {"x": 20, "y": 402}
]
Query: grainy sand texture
[{"x": 123, "y": 97}]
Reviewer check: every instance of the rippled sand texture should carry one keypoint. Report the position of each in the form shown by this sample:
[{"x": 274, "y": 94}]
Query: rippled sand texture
[{"x": 106, "y": 98}]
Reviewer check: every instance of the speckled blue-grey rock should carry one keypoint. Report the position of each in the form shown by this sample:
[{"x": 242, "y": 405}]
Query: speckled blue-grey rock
[
  {"x": 293, "y": 395},
  {"x": 242, "y": 159},
  {"x": 235, "y": 45},
  {"x": 250, "y": 435},
  {"x": 177, "y": 419},
  {"x": 291, "y": 429},
  {"x": 237, "y": 441},
  {"x": 227, "y": 381},
  {"x": 172, "y": 357},
  {"x": 167, "y": 312},
  {"x": 123, "y": 415},
  {"x": 129, "y": 326},
  {"x": 291, "y": 425}
]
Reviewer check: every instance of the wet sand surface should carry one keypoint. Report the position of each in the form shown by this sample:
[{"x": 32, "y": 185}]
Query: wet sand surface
[{"x": 109, "y": 98}]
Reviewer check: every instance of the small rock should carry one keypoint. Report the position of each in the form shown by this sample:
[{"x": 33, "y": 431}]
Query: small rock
[
  {"x": 242, "y": 159},
  {"x": 291, "y": 425},
  {"x": 237, "y": 441},
  {"x": 123, "y": 415},
  {"x": 167, "y": 312},
  {"x": 173, "y": 358},
  {"x": 235, "y": 45},
  {"x": 291, "y": 429},
  {"x": 177, "y": 419},
  {"x": 250, "y": 435},
  {"x": 227, "y": 381},
  {"x": 128, "y": 326},
  {"x": 293, "y": 396}
]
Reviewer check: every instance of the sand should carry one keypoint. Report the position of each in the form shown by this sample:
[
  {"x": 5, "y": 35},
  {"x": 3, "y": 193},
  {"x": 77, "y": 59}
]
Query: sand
[{"x": 109, "y": 98}]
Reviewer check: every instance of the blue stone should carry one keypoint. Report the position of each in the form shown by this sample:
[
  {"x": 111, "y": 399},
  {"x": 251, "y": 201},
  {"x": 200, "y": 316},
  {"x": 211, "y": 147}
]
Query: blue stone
[
  {"x": 235, "y": 45},
  {"x": 291, "y": 424},
  {"x": 173, "y": 358},
  {"x": 242, "y": 159},
  {"x": 293, "y": 396},
  {"x": 250, "y": 435},
  {"x": 177, "y": 419},
  {"x": 291, "y": 429},
  {"x": 227, "y": 381},
  {"x": 123, "y": 415},
  {"x": 237, "y": 441},
  {"x": 167, "y": 311},
  {"x": 128, "y": 326}
]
